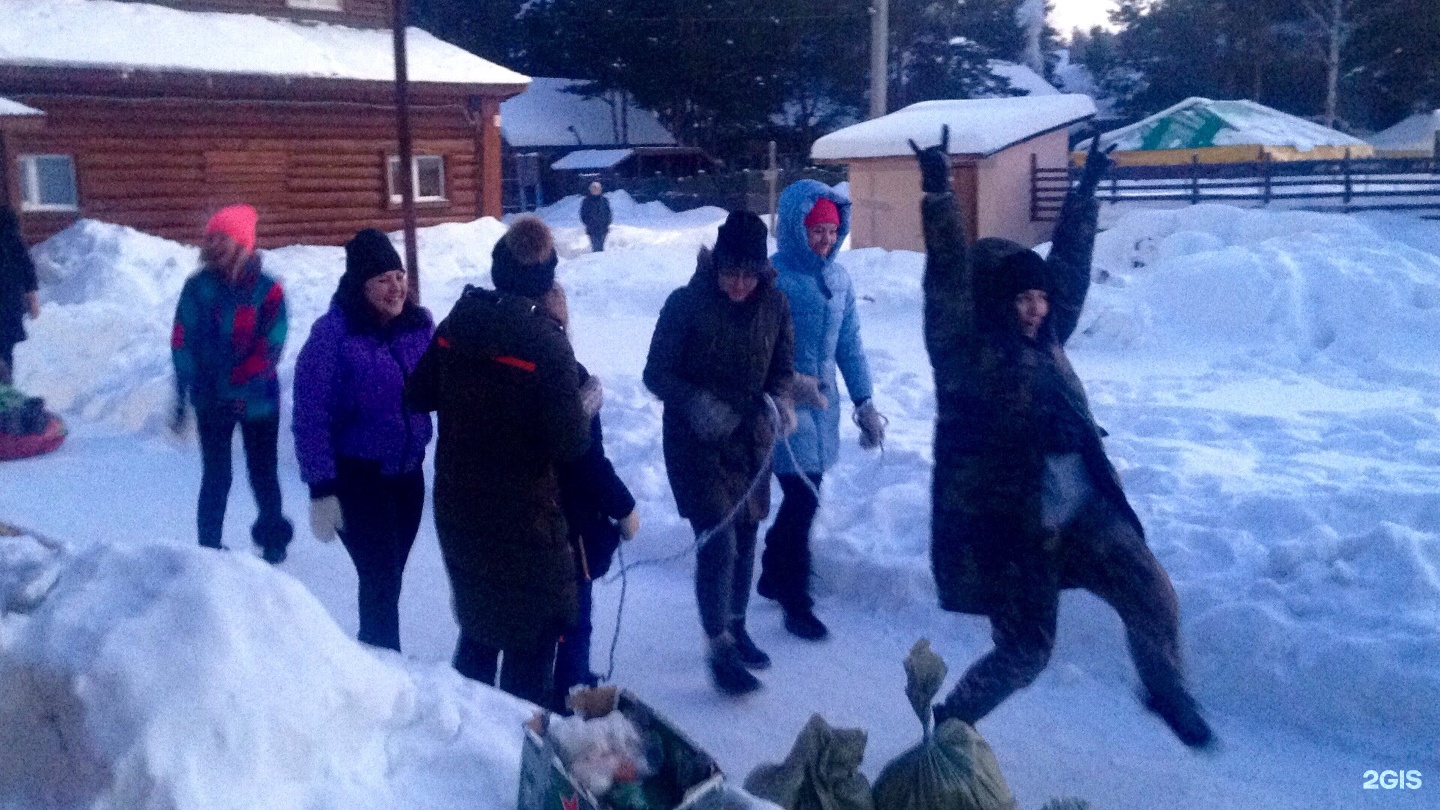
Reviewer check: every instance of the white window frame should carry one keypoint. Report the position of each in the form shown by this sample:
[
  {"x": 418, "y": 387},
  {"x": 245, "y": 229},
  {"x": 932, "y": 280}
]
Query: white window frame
[
  {"x": 316, "y": 5},
  {"x": 392, "y": 162},
  {"x": 28, "y": 166}
]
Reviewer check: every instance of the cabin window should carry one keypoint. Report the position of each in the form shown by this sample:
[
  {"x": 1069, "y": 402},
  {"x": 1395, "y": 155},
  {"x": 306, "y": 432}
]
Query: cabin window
[
  {"x": 427, "y": 175},
  {"x": 47, "y": 183},
  {"x": 316, "y": 5}
]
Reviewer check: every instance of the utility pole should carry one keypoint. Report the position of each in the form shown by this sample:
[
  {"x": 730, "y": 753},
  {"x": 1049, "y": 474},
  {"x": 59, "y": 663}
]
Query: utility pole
[
  {"x": 407, "y": 157},
  {"x": 879, "y": 56},
  {"x": 772, "y": 180}
]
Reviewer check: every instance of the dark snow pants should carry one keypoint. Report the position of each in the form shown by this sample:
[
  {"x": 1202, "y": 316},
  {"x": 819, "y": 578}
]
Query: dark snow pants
[
  {"x": 724, "y": 568},
  {"x": 382, "y": 517},
  {"x": 597, "y": 240},
  {"x": 1103, "y": 554},
  {"x": 526, "y": 673},
  {"x": 259, "y": 437},
  {"x": 572, "y": 658},
  {"x": 785, "y": 565}
]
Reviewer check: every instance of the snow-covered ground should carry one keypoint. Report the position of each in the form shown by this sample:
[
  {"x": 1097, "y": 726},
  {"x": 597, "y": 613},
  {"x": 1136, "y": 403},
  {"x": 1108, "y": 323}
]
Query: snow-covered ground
[{"x": 1269, "y": 381}]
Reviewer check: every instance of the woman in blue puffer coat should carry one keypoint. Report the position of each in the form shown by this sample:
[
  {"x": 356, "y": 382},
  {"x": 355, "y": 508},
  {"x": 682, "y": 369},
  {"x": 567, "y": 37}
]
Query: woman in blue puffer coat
[
  {"x": 814, "y": 220},
  {"x": 360, "y": 447}
]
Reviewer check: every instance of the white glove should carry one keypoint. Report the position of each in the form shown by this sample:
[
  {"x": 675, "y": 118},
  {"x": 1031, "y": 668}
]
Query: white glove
[
  {"x": 806, "y": 391},
  {"x": 872, "y": 425},
  {"x": 710, "y": 417},
  {"x": 785, "y": 409},
  {"x": 592, "y": 397},
  {"x": 630, "y": 525},
  {"x": 326, "y": 521}
]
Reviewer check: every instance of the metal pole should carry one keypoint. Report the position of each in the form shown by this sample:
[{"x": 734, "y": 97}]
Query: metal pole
[
  {"x": 879, "y": 56},
  {"x": 407, "y": 157}
]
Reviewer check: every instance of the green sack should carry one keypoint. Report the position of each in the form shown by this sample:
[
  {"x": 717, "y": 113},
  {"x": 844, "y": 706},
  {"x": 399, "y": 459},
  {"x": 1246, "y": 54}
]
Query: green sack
[
  {"x": 951, "y": 769},
  {"x": 21, "y": 415},
  {"x": 822, "y": 771}
]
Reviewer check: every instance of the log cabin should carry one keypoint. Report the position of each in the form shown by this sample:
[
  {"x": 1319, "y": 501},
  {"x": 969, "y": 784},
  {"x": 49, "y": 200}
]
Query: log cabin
[{"x": 155, "y": 114}]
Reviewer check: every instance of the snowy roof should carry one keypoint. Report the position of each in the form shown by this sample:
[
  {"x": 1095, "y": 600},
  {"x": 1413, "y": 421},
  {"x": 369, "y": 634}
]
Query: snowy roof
[
  {"x": 1200, "y": 122},
  {"x": 1023, "y": 77},
  {"x": 591, "y": 159},
  {"x": 1416, "y": 133},
  {"x": 14, "y": 108},
  {"x": 548, "y": 114},
  {"x": 981, "y": 126},
  {"x": 110, "y": 34}
]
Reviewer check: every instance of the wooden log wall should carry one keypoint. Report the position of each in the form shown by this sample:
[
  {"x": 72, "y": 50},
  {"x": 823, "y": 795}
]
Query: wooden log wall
[
  {"x": 368, "y": 13},
  {"x": 315, "y": 171}
]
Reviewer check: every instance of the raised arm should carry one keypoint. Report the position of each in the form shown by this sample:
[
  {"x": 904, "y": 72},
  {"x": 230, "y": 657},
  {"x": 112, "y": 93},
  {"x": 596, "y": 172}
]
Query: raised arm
[
  {"x": 949, "y": 285},
  {"x": 1072, "y": 247}
]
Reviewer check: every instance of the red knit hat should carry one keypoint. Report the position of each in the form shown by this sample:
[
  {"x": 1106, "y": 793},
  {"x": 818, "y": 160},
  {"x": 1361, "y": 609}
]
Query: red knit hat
[
  {"x": 825, "y": 212},
  {"x": 237, "y": 222}
]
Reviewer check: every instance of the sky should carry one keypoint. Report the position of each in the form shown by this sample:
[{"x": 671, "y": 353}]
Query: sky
[{"x": 1069, "y": 14}]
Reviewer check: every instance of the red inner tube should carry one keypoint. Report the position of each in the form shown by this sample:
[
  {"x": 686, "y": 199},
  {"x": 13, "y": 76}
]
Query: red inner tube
[{"x": 16, "y": 447}]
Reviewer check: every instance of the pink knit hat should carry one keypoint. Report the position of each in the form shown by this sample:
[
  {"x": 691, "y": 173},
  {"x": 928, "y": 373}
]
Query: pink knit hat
[{"x": 237, "y": 222}]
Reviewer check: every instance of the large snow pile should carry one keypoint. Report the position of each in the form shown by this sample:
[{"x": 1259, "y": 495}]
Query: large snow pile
[{"x": 156, "y": 676}]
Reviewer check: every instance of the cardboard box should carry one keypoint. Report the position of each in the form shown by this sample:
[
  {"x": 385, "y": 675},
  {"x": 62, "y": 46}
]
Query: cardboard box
[{"x": 683, "y": 773}]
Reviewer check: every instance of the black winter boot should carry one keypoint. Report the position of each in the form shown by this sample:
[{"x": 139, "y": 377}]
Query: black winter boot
[
  {"x": 1182, "y": 715},
  {"x": 750, "y": 655},
  {"x": 728, "y": 671},
  {"x": 802, "y": 622}
]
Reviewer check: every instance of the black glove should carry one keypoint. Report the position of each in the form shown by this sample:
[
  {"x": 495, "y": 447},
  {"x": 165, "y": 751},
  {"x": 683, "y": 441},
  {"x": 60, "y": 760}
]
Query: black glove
[
  {"x": 179, "y": 416},
  {"x": 934, "y": 163},
  {"x": 1097, "y": 164}
]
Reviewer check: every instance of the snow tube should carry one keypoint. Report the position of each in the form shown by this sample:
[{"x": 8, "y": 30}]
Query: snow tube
[{"x": 16, "y": 447}]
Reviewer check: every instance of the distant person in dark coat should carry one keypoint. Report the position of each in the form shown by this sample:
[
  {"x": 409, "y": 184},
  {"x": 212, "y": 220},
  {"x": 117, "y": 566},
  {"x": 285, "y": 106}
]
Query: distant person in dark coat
[
  {"x": 503, "y": 379},
  {"x": 360, "y": 447},
  {"x": 1026, "y": 502},
  {"x": 229, "y": 333},
  {"x": 599, "y": 513},
  {"x": 18, "y": 286},
  {"x": 720, "y": 360},
  {"x": 595, "y": 215}
]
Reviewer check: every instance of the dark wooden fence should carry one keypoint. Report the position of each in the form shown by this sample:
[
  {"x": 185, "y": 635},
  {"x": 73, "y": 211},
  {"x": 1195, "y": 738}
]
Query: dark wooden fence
[{"x": 1407, "y": 185}]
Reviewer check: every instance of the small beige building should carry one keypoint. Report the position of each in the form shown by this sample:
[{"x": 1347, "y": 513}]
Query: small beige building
[{"x": 994, "y": 142}]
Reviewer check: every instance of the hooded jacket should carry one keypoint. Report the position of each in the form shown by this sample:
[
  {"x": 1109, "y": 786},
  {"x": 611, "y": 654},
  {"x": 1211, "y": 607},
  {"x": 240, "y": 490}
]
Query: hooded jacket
[
  {"x": 737, "y": 352},
  {"x": 827, "y": 327},
  {"x": 992, "y": 416},
  {"x": 349, "y": 390},
  {"x": 503, "y": 379},
  {"x": 227, "y": 341}
]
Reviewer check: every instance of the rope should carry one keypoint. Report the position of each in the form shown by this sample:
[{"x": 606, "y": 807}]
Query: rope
[
  {"x": 623, "y": 573},
  {"x": 762, "y": 477}
]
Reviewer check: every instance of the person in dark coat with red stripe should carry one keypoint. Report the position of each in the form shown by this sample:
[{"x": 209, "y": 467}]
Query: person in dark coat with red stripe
[
  {"x": 361, "y": 450},
  {"x": 599, "y": 513},
  {"x": 229, "y": 333},
  {"x": 502, "y": 378}
]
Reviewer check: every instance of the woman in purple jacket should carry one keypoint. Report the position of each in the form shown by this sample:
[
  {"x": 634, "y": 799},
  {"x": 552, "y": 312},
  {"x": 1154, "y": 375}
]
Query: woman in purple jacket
[{"x": 360, "y": 448}]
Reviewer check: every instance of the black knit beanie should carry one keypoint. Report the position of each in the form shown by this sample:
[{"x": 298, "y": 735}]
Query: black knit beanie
[
  {"x": 1021, "y": 271},
  {"x": 369, "y": 254},
  {"x": 742, "y": 241},
  {"x": 523, "y": 262}
]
